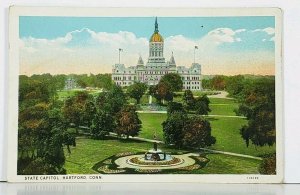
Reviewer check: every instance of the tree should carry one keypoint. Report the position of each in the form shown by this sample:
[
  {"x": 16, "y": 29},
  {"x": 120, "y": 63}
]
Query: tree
[
  {"x": 218, "y": 82},
  {"x": 111, "y": 101},
  {"x": 42, "y": 133},
  {"x": 136, "y": 91},
  {"x": 201, "y": 105},
  {"x": 268, "y": 165},
  {"x": 175, "y": 107},
  {"x": 163, "y": 91},
  {"x": 41, "y": 138},
  {"x": 128, "y": 122},
  {"x": 173, "y": 80},
  {"x": 173, "y": 129},
  {"x": 188, "y": 99},
  {"x": 207, "y": 84},
  {"x": 79, "y": 109},
  {"x": 89, "y": 112},
  {"x": 259, "y": 108},
  {"x": 235, "y": 85},
  {"x": 197, "y": 133},
  {"x": 103, "y": 123}
]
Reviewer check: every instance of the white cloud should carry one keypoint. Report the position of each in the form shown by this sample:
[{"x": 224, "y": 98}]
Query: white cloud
[
  {"x": 240, "y": 30},
  {"x": 269, "y": 30},
  {"x": 85, "y": 51},
  {"x": 222, "y": 35}
]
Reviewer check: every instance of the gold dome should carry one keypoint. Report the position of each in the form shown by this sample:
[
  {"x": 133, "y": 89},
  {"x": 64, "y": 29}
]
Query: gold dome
[{"x": 156, "y": 37}]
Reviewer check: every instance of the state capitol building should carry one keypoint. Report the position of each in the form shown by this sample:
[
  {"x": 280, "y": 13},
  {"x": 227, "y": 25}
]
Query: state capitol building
[{"x": 156, "y": 67}]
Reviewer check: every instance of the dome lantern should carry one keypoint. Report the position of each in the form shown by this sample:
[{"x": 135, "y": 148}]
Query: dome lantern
[{"x": 156, "y": 37}]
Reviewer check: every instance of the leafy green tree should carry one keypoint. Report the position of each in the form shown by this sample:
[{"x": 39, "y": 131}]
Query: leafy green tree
[
  {"x": 207, "y": 84},
  {"x": 136, "y": 91},
  {"x": 188, "y": 99},
  {"x": 79, "y": 109},
  {"x": 104, "y": 81},
  {"x": 175, "y": 107},
  {"x": 235, "y": 85},
  {"x": 163, "y": 92},
  {"x": 153, "y": 92},
  {"x": 197, "y": 133},
  {"x": 128, "y": 122},
  {"x": 89, "y": 112},
  {"x": 111, "y": 101},
  {"x": 201, "y": 105},
  {"x": 32, "y": 91},
  {"x": 259, "y": 108},
  {"x": 173, "y": 129},
  {"x": 268, "y": 165},
  {"x": 41, "y": 139},
  {"x": 103, "y": 123},
  {"x": 218, "y": 82},
  {"x": 173, "y": 80}
]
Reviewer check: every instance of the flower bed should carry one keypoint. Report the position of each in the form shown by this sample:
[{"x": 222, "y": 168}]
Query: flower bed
[
  {"x": 108, "y": 166},
  {"x": 106, "y": 169},
  {"x": 136, "y": 160},
  {"x": 148, "y": 170}
]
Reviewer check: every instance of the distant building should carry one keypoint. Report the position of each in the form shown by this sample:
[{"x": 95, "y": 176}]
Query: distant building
[
  {"x": 156, "y": 67},
  {"x": 70, "y": 83}
]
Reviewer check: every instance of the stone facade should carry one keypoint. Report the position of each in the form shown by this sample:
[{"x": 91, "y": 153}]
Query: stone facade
[
  {"x": 70, "y": 83},
  {"x": 156, "y": 66}
]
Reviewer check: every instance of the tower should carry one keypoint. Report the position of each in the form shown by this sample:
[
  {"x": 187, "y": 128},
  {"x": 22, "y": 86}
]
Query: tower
[{"x": 156, "y": 46}]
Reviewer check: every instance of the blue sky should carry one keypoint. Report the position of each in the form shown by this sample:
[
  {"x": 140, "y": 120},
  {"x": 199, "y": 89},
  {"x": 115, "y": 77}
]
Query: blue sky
[
  {"x": 243, "y": 36},
  {"x": 52, "y": 27}
]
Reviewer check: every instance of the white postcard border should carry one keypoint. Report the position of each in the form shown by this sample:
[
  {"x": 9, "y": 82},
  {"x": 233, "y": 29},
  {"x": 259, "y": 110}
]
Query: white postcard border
[{"x": 16, "y": 11}]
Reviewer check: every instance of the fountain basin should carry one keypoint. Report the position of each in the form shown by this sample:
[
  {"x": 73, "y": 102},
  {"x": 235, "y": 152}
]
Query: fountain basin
[{"x": 142, "y": 162}]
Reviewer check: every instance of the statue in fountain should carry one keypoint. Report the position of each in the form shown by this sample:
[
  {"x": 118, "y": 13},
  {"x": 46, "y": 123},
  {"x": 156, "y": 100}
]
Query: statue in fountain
[
  {"x": 155, "y": 154},
  {"x": 150, "y": 99}
]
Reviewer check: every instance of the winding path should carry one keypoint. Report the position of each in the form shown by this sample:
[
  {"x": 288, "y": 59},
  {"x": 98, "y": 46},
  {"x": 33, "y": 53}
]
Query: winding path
[
  {"x": 209, "y": 115},
  {"x": 204, "y": 149}
]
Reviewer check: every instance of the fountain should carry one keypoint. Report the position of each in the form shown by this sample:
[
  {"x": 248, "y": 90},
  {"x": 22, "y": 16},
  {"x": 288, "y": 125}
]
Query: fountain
[
  {"x": 150, "y": 99},
  {"x": 154, "y": 160},
  {"x": 155, "y": 154}
]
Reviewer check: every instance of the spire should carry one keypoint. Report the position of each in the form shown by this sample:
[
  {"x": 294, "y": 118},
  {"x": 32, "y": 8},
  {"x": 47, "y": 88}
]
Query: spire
[
  {"x": 156, "y": 25},
  {"x": 172, "y": 60},
  {"x": 140, "y": 61}
]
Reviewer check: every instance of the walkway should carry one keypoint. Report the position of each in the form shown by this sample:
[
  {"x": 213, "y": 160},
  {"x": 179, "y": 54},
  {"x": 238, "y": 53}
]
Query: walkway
[
  {"x": 222, "y": 94},
  {"x": 231, "y": 153},
  {"x": 210, "y": 115},
  {"x": 204, "y": 149}
]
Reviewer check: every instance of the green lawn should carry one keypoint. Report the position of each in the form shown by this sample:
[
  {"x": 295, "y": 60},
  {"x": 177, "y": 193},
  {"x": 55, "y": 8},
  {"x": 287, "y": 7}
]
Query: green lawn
[
  {"x": 224, "y": 164},
  {"x": 222, "y": 101},
  {"x": 226, "y": 131},
  {"x": 88, "y": 152},
  {"x": 64, "y": 94},
  {"x": 220, "y": 106},
  {"x": 151, "y": 123}
]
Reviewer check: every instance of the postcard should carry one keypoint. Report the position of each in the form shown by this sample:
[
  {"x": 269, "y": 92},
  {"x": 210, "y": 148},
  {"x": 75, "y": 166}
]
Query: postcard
[{"x": 145, "y": 95}]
